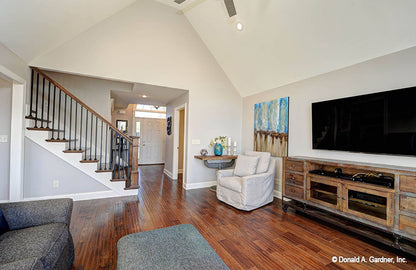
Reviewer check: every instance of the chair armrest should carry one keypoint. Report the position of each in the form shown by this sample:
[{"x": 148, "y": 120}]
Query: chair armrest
[
  {"x": 225, "y": 173},
  {"x": 33, "y": 213},
  {"x": 258, "y": 178}
]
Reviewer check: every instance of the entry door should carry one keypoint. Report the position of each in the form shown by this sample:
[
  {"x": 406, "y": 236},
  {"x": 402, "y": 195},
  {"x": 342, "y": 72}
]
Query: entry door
[{"x": 152, "y": 140}]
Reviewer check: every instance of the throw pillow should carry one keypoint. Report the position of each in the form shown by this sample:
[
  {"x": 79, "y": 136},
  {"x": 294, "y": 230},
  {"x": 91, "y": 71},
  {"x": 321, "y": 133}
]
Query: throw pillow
[
  {"x": 4, "y": 227},
  {"x": 245, "y": 165},
  {"x": 264, "y": 160}
]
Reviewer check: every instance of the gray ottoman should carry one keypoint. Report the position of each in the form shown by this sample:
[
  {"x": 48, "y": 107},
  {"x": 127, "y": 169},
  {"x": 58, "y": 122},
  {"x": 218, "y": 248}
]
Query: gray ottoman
[{"x": 176, "y": 247}]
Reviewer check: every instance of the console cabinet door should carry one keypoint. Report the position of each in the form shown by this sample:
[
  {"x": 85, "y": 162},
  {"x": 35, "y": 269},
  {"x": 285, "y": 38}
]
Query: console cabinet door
[
  {"x": 324, "y": 192},
  {"x": 369, "y": 204}
]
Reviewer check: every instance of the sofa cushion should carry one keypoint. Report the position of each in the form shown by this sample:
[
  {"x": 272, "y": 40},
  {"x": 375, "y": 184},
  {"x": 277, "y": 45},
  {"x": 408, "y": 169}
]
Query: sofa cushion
[
  {"x": 245, "y": 165},
  {"x": 4, "y": 227},
  {"x": 264, "y": 160},
  {"x": 45, "y": 242},
  {"x": 233, "y": 183},
  {"x": 25, "y": 264}
]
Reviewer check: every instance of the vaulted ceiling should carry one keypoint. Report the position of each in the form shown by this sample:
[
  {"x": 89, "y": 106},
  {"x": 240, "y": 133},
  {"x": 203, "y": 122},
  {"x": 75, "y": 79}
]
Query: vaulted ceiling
[{"x": 283, "y": 41}]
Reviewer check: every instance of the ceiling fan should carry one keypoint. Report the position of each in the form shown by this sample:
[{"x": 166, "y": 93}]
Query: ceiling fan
[{"x": 229, "y": 4}]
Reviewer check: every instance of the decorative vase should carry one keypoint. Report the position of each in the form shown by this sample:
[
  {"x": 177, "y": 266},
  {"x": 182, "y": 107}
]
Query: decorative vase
[{"x": 218, "y": 149}]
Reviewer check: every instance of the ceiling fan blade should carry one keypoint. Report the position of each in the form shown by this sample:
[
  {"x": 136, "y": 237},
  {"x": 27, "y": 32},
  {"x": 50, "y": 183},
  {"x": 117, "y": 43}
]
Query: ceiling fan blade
[
  {"x": 179, "y": 1},
  {"x": 229, "y": 4}
]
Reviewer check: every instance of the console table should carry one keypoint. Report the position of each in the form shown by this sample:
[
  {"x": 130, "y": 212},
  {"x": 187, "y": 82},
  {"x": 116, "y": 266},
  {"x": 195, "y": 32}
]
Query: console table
[
  {"x": 214, "y": 164},
  {"x": 329, "y": 190}
]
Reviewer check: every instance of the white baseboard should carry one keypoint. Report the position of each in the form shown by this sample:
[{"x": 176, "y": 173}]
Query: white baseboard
[
  {"x": 200, "y": 185},
  {"x": 86, "y": 196},
  {"x": 170, "y": 174},
  {"x": 277, "y": 194}
]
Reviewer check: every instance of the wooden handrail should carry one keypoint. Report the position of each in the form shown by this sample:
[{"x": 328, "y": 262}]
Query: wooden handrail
[{"x": 82, "y": 103}]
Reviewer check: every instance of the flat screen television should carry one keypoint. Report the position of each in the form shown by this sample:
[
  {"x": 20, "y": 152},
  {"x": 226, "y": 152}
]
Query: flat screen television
[{"x": 383, "y": 123}]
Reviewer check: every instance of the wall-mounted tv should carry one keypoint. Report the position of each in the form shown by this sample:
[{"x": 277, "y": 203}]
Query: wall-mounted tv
[{"x": 383, "y": 123}]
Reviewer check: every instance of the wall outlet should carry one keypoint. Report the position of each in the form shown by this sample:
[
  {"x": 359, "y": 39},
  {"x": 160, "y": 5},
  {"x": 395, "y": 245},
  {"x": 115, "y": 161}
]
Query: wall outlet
[
  {"x": 196, "y": 141},
  {"x": 4, "y": 138},
  {"x": 56, "y": 183}
]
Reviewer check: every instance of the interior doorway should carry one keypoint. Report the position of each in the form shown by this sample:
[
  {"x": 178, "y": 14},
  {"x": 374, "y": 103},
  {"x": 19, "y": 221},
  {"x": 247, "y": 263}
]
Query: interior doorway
[{"x": 179, "y": 146}]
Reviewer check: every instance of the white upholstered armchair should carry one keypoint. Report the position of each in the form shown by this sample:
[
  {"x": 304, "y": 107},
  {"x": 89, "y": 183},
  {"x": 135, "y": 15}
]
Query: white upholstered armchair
[{"x": 250, "y": 185}]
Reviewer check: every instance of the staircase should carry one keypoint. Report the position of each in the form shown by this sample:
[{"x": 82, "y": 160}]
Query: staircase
[{"x": 67, "y": 127}]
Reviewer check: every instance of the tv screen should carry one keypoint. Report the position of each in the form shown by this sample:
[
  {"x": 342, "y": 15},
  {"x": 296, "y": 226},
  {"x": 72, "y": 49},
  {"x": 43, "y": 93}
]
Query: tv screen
[{"x": 375, "y": 123}]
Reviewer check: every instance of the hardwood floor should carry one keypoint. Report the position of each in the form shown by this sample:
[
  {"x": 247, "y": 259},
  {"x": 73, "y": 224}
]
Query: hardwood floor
[{"x": 265, "y": 238}]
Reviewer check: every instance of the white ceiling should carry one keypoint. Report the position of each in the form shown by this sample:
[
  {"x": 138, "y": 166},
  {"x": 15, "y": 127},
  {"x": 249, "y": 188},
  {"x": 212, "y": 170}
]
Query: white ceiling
[
  {"x": 284, "y": 41},
  {"x": 156, "y": 95},
  {"x": 289, "y": 40},
  {"x": 31, "y": 28}
]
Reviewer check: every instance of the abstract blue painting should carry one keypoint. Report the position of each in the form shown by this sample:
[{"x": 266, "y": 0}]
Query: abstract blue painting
[{"x": 271, "y": 121}]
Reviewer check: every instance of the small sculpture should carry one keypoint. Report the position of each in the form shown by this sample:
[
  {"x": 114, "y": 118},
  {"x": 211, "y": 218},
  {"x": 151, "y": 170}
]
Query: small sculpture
[{"x": 204, "y": 152}]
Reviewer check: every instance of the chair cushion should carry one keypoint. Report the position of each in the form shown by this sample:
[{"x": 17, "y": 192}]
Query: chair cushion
[
  {"x": 233, "y": 183},
  {"x": 45, "y": 242},
  {"x": 4, "y": 227},
  {"x": 264, "y": 160},
  {"x": 245, "y": 165}
]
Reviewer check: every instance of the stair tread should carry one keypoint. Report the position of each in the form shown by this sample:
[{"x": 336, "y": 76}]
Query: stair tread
[
  {"x": 60, "y": 140},
  {"x": 103, "y": 170},
  {"x": 132, "y": 187},
  {"x": 118, "y": 180},
  {"x": 37, "y": 119},
  {"x": 89, "y": 161},
  {"x": 44, "y": 129},
  {"x": 73, "y": 151}
]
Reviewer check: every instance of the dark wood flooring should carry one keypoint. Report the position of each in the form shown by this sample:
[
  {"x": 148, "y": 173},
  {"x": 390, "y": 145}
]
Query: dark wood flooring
[{"x": 265, "y": 238}]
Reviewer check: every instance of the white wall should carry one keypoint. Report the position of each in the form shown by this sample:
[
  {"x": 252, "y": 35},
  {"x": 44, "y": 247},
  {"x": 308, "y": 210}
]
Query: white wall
[
  {"x": 42, "y": 168},
  {"x": 397, "y": 70},
  {"x": 13, "y": 62},
  {"x": 93, "y": 92},
  {"x": 170, "y": 111},
  {"x": 150, "y": 43},
  {"x": 5, "y": 118}
]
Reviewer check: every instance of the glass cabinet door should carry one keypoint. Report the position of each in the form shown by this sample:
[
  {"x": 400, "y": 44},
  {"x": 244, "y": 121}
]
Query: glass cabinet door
[
  {"x": 324, "y": 192},
  {"x": 373, "y": 205}
]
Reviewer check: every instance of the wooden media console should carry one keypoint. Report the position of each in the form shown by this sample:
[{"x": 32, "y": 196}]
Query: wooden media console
[{"x": 376, "y": 201}]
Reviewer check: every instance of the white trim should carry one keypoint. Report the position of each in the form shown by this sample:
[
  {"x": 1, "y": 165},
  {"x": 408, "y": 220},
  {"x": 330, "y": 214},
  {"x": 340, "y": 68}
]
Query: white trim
[
  {"x": 176, "y": 143},
  {"x": 200, "y": 185},
  {"x": 277, "y": 194},
  {"x": 86, "y": 196},
  {"x": 168, "y": 173},
  {"x": 10, "y": 74}
]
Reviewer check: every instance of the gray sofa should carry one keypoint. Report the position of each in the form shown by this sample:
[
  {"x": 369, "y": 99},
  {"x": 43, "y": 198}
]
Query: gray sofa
[{"x": 35, "y": 235}]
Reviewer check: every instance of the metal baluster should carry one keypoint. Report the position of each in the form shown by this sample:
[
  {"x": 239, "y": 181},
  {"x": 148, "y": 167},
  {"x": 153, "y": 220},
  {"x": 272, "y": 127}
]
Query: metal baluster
[
  {"x": 101, "y": 147},
  {"x": 37, "y": 97},
  {"x": 80, "y": 129},
  {"x": 86, "y": 133},
  {"x": 76, "y": 121},
  {"x": 106, "y": 144},
  {"x": 119, "y": 153},
  {"x": 49, "y": 104},
  {"x": 70, "y": 123},
  {"x": 31, "y": 92},
  {"x": 53, "y": 110},
  {"x": 112, "y": 155},
  {"x": 91, "y": 137},
  {"x": 64, "y": 117},
  {"x": 43, "y": 102},
  {"x": 128, "y": 162},
  {"x": 96, "y": 129},
  {"x": 59, "y": 114}
]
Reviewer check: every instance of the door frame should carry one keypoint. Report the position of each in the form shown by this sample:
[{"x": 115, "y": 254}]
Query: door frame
[
  {"x": 17, "y": 131},
  {"x": 176, "y": 121}
]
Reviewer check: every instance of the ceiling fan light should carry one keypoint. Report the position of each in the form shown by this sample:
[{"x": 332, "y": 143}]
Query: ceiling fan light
[{"x": 239, "y": 26}]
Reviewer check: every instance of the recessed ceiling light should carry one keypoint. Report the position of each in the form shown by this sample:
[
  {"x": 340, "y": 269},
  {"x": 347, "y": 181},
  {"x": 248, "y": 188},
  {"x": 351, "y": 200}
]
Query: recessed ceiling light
[
  {"x": 144, "y": 96},
  {"x": 239, "y": 26}
]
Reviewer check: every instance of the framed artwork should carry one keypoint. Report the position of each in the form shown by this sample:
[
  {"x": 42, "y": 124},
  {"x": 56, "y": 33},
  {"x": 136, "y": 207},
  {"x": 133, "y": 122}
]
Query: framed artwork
[
  {"x": 271, "y": 122},
  {"x": 169, "y": 125},
  {"x": 122, "y": 125}
]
